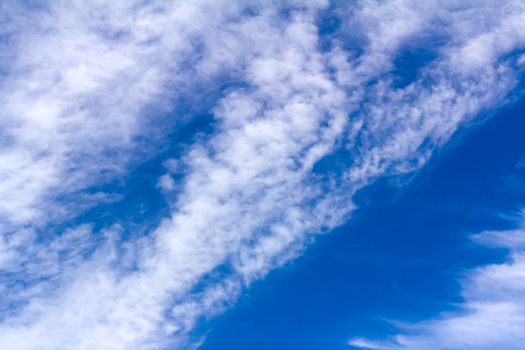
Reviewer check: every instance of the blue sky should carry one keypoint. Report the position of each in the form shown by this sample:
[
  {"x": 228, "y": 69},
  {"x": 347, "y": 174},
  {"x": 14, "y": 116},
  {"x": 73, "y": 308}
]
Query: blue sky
[
  {"x": 384, "y": 265},
  {"x": 252, "y": 174}
]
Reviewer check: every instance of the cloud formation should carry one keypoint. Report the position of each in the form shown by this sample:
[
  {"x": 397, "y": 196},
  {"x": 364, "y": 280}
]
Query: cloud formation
[
  {"x": 492, "y": 315},
  {"x": 88, "y": 84}
]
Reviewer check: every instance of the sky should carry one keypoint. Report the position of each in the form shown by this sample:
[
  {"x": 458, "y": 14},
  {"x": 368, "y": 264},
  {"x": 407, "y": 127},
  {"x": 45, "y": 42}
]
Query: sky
[{"x": 262, "y": 174}]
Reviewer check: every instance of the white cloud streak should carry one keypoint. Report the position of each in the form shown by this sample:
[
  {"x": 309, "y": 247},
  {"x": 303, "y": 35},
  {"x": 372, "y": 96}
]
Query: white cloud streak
[
  {"x": 250, "y": 197},
  {"x": 492, "y": 315}
]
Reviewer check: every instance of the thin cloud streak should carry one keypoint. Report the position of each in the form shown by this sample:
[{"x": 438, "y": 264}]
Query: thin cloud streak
[{"x": 492, "y": 315}]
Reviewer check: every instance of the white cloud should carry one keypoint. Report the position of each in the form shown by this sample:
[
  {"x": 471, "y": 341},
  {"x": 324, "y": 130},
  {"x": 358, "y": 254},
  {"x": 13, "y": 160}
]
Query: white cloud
[
  {"x": 250, "y": 198},
  {"x": 85, "y": 79},
  {"x": 363, "y": 343},
  {"x": 492, "y": 315}
]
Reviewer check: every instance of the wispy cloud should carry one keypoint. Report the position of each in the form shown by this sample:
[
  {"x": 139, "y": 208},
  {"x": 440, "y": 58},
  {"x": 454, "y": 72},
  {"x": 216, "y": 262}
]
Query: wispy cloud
[
  {"x": 492, "y": 315},
  {"x": 90, "y": 78},
  {"x": 363, "y": 343}
]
